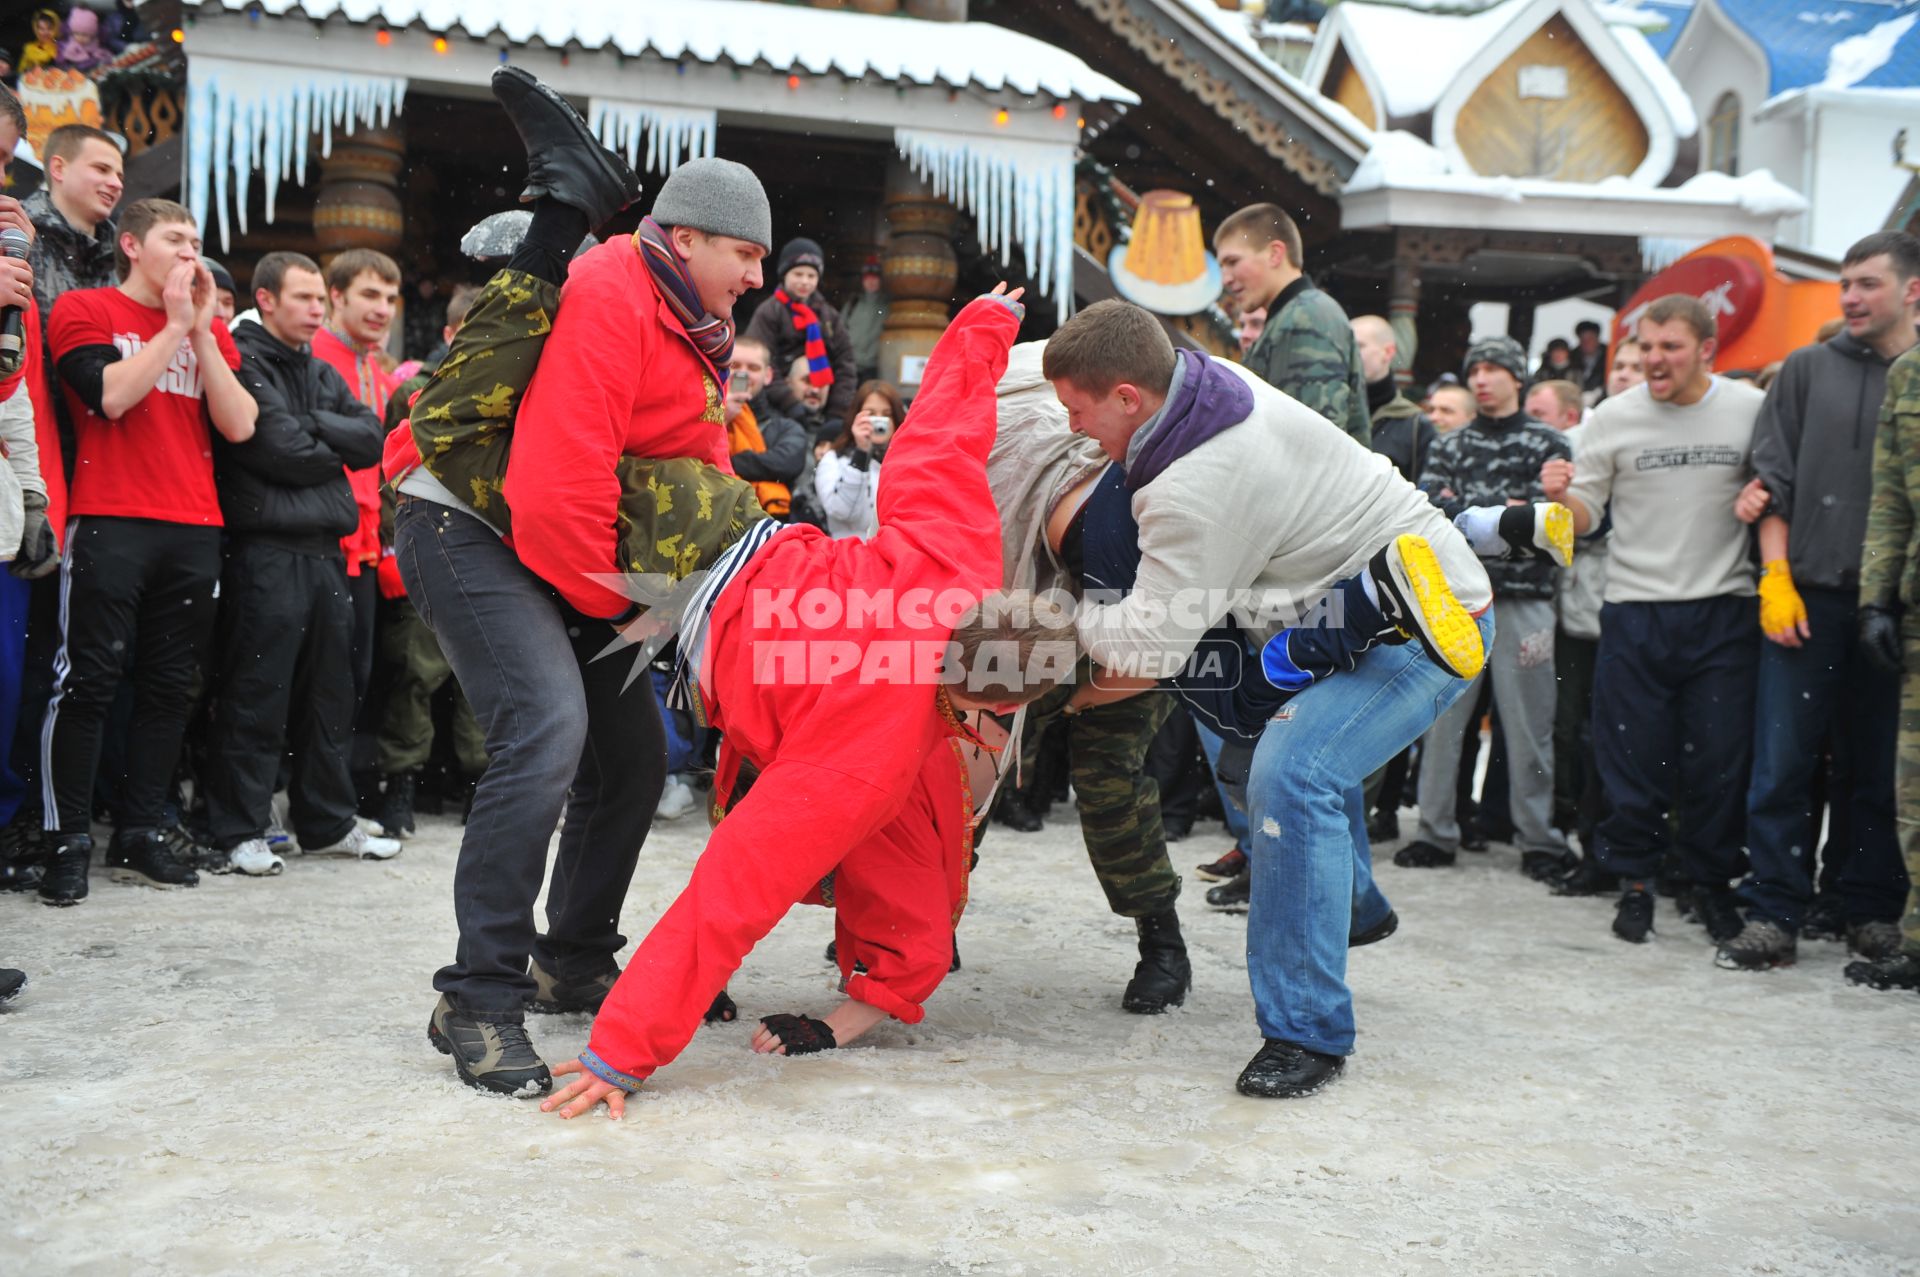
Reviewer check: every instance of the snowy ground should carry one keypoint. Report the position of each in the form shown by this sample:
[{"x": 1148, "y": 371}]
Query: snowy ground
[{"x": 236, "y": 1079}]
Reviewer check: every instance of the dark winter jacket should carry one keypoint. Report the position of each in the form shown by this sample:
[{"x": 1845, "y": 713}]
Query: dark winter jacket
[
  {"x": 1307, "y": 351},
  {"x": 1813, "y": 448},
  {"x": 785, "y": 455},
  {"x": 1401, "y": 432},
  {"x": 772, "y": 326},
  {"x": 1488, "y": 462},
  {"x": 289, "y": 481},
  {"x": 63, "y": 257}
]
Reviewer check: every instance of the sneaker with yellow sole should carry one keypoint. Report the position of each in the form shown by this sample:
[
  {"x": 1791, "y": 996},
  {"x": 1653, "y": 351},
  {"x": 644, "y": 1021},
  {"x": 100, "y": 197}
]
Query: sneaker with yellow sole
[{"x": 1417, "y": 601}]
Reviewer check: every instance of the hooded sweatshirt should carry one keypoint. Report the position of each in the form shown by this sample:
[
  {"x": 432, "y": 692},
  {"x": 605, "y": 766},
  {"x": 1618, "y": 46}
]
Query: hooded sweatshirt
[{"x": 1813, "y": 449}]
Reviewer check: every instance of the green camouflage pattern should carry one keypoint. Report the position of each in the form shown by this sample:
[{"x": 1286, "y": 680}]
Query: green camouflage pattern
[
  {"x": 1308, "y": 351},
  {"x": 1906, "y": 781},
  {"x": 420, "y": 670},
  {"x": 1890, "y": 555},
  {"x": 1119, "y": 803},
  {"x": 676, "y": 515}
]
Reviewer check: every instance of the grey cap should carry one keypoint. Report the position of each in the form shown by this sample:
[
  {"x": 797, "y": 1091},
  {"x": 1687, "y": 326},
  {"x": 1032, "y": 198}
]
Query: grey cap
[
  {"x": 719, "y": 197},
  {"x": 1500, "y": 350}
]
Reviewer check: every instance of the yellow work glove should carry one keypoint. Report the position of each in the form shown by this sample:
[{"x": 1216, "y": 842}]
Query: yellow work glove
[{"x": 1782, "y": 612}]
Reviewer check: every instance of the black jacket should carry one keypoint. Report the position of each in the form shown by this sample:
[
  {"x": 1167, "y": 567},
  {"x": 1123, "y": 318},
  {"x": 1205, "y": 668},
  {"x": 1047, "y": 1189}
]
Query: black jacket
[
  {"x": 772, "y": 326},
  {"x": 289, "y": 481},
  {"x": 785, "y": 455},
  {"x": 1401, "y": 432}
]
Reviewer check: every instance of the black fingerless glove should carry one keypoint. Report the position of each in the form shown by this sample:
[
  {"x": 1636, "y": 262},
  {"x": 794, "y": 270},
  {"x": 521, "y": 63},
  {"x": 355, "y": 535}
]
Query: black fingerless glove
[{"x": 800, "y": 1035}]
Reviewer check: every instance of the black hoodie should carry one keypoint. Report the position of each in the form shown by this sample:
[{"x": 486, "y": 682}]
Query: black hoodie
[
  {"x": 1813, "y": 448},
  {"x": 288, "y": 483}
]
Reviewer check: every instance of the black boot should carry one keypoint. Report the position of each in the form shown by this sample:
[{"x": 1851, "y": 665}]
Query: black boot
[
  {"x": 1163, "y": 975},
  {"x": 1011, "y": 810},
  {"x": 1235, "y": 893},
  {"x": 565, "y": 162},
  {"x": 1286, "y": 1071},
  {"x": 1587, "y": 879},
  {"x": 396, "y": 804}
]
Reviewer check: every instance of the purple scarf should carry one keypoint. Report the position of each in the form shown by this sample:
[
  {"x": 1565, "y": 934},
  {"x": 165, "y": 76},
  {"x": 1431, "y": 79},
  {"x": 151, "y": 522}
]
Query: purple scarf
[
  {"x": 1210, "y": 400},
  {"x": 714, "y": 337}
]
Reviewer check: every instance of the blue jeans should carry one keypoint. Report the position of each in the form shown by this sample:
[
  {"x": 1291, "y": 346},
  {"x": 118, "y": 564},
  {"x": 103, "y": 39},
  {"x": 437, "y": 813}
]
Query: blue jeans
[
  {"x": 1804, "y": 694},
  {"x": 1312, "y": 870}
]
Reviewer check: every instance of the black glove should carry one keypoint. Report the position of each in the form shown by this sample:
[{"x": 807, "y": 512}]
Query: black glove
[
  {"x": 1880, "y": 637},
  {"x": 38, "y": 554},
  {"x": 800, "y": 1035}
]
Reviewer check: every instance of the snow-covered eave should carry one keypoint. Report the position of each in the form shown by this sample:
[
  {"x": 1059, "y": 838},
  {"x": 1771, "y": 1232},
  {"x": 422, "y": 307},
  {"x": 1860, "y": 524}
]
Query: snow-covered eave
[
  {"x": 740, "y": 34},
  {"x": 1571, "y": 208},
  {"x": 1867, "y": 101}
]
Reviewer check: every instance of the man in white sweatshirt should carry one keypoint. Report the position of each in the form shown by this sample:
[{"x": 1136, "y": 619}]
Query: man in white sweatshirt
[
  {"x": 1673, "y": 685},
  {"x": 1251, "y": 505}
]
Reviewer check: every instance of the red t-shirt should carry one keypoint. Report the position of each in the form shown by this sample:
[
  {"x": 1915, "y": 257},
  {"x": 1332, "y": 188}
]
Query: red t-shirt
[{"x": 156, "y": 462}]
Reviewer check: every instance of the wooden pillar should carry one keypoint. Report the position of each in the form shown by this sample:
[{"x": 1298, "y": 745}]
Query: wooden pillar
[
  {"x": 920, "y": 271},
  {"x": 359, "y": 202},
  {"x": 1403, "y": 309},
  {"x": 1520, "y": 324}
]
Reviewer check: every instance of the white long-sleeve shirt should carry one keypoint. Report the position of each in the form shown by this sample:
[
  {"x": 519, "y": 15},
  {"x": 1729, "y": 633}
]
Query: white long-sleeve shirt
[{"x": 847, "y": 493}]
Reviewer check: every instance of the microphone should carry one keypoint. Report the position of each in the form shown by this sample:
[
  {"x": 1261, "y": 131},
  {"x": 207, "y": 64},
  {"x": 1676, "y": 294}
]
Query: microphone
[{"x": 13, "y": 243}]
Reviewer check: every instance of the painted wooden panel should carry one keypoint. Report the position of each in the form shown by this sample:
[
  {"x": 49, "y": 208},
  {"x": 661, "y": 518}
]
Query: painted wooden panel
[
  {"x": 1344, "y": 85},
  {"x": 1551, "y": 110}
]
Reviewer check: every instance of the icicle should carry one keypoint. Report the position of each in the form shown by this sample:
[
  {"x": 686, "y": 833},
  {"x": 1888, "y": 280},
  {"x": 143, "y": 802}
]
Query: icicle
[
  {"x": 243, "y": 116},
  {"x": 673, "y": 134},
  {"x": 1016, "y": 190}
]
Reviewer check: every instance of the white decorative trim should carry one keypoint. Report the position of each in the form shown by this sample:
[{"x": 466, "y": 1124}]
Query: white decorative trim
[
  {"x": 247, "y": 115},
  {"x": 1662, "y": 144},
  {"x": 673, "y": 133},
  {"x": 1015, "y": 190}
]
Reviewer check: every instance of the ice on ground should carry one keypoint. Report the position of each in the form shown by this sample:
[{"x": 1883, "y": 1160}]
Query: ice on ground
[{"x": 236, "y": 1079}]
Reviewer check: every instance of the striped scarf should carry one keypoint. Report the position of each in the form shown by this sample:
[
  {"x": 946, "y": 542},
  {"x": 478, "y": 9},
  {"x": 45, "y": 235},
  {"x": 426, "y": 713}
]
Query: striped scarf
[
  {"x": 819, "y": 371},
  {"x": 713, "y": 337}
]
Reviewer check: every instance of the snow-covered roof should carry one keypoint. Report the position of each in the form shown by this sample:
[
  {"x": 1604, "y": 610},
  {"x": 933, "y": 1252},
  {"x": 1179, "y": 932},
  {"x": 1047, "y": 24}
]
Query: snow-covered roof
[
  {"x": 1825, "y": 44},
  {"x": 746, "y": 33}
]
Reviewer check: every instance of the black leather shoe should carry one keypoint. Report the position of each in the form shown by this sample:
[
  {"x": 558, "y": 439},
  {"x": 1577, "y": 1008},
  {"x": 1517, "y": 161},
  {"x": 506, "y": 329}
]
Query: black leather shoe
[
  {"x": 66, "y": 878},
  {"x": 1233, "y": 894},
  {"x": 1164, "y": 975},
  {"x": 1547, "y": 866},
  {"x": 1383, "y": 826},
  {"x": 1283, "y": 1071},
  {"x": 1423, "y": 855},
  {"x": 1014, "y": 813},
  {"x": 1376, "y": 933},
  {"x": 565, "y": 162}
]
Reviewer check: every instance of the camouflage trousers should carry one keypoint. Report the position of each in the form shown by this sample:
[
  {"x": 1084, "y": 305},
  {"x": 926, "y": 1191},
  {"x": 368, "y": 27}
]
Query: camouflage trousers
[
  {"x": 1119, "y": 803},
  {"x": 419, "y": 671},
  {"x": 1906, "y": 780}
]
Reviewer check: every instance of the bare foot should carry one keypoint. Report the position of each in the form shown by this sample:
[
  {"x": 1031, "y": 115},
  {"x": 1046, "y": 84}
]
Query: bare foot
[{"x": 848, "y": 1021}]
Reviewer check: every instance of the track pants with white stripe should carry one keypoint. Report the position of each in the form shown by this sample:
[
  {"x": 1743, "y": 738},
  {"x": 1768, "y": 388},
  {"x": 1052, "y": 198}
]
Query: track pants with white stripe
[{"x": 136, "y": 601}]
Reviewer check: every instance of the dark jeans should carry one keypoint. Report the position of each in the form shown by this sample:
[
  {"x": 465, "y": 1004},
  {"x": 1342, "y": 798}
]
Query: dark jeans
[
  {"x": 563, "y": 730},
  {"x": 1673, "y": 719},
  {"x": 128, "y": 585},
  {"x": 1576, "y": 781},
  {"x": 1803, "y": 693},
  {"x": 282, "y": 676}
]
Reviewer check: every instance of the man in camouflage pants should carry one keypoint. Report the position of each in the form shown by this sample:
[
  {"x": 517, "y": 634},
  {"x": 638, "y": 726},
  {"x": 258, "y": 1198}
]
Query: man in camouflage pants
[{"x": 1890, "y": 632}]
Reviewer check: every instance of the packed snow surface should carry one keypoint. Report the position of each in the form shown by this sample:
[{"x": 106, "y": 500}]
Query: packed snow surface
[{"x": 236, "y": 1079}]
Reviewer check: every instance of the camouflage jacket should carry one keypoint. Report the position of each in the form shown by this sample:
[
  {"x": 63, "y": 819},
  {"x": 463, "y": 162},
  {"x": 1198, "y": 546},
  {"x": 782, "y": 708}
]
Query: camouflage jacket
[
  {"x": 1307, "y": 351},
  {"x": 1490, "y": 462},
  {"x": 1890, "y": 556}
]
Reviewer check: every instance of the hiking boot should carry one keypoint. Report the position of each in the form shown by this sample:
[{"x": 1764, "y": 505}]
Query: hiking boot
[
  {"x": 1423, "y": 855},
  {"x": 1283, "y": 1071},
  {"x": 11, "y": 983},
  {"x": 1633, "y": 917},
  {"x": 1376, "y": 933},
  {"x": 1715, "y": 908},
  {"x": 565, "y": 162},
  {"x": 1760, "y": 946},
  {"x": 359, "y": 845},
  {"x": 1587, "y": 879},
  {"x": 396, "y": 804},
  {"x": 1016, "y": 814},
  {"x": 1163, "y": 975},
  {"x": 1544, "y": 528},
  {"x": 1384, "y": 827},
  {"x": 65, "y": 882},
  {"x": 1233, "y": 894},
  {"x": 1874, "y": 940},
  {"x": 254, "y": 858},
  {"x": 1417, "y": 601},
  {"x": 193, "y": 853},
  {"x": 1901, "y": 971},
  {"x": 1826, "y": 920},
  {"x": 1225, "y": 869},
  {"x": 1547, "y": 866},
  {"x": 146, "y": 860},
  {"x": 555, "y": 996},
  {"x": 489, "y": 1054}
]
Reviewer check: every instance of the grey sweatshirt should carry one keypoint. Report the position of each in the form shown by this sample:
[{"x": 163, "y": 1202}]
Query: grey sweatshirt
[
  {"x": 1671, "y": 474},
  {"x": 1813, "y": 448}
]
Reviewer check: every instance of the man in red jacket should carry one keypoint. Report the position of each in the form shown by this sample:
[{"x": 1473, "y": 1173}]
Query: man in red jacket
[
  {"x": 507, "y": 520},
  {"x": 820, "y": 661}
]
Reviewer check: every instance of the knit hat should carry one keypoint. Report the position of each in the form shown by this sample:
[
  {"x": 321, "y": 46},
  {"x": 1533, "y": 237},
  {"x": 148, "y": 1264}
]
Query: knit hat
[
  {"x": 800, "y": 252},
  {"x": 1499, "y": 350},
  {"x": 222, "y": 277},
  {"x": 719, "y": 197}
]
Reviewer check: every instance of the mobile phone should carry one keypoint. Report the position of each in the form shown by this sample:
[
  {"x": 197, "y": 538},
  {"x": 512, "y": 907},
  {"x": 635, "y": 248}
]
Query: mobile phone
[{"x": 740, "y": 381}]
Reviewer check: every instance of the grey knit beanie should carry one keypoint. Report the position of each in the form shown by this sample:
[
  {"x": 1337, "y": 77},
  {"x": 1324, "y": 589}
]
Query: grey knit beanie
[
  {"x": 719, "y": 197},
  {"x": 1500, "y": 350}
]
